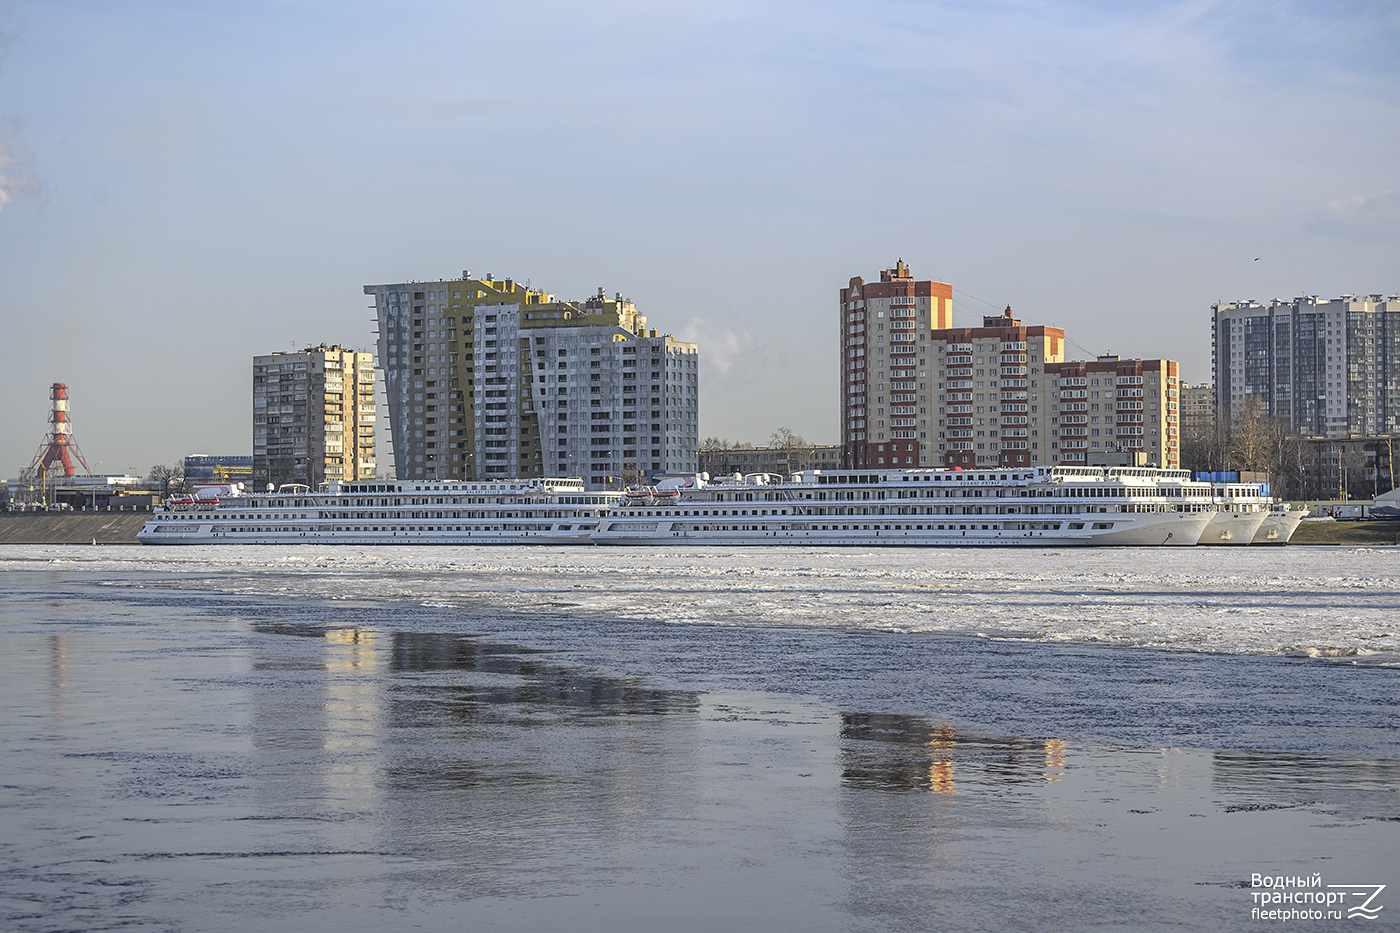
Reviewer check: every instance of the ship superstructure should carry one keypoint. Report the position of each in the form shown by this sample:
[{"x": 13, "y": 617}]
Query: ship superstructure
[
  {"x": 1042, "y": 506},
  {"x": 527, "y": 511}
]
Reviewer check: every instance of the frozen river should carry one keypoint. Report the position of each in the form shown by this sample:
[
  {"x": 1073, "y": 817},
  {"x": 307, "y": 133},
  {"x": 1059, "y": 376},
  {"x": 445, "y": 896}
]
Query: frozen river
[{"x": 577, "y": 738}]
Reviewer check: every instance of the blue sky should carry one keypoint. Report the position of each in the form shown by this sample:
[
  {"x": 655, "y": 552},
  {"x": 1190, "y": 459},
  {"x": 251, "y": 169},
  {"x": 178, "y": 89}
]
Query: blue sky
[{"x": 183, "y": 186}]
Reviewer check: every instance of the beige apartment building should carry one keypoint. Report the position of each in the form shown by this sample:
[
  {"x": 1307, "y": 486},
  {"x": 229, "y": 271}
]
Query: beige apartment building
[
  {"x": 887, "y": 330},
  {"x": 1197, "y": 409},
  {"x": 313, "y": 416},
  {"x": 1111, "y": 411},
  {"x": 918, "y": 392},
  {"x": 993, "y": 389}
]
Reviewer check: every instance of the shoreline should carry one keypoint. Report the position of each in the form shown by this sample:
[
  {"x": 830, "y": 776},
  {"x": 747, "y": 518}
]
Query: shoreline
[{"x": 1348, "y": 533}]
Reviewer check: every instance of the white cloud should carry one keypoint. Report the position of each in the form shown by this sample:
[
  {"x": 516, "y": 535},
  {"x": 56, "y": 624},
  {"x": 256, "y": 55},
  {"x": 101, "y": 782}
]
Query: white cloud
[
  {"x": 1370, "y": 215},
  {"x": 721, "y": 347},
  {"x": 14, "y": 178}
]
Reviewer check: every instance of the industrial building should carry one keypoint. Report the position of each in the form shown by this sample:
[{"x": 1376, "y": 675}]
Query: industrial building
[
  {"x": 313, "y": 416},
  {"x": 206, "y": 469},
  {"x": 489, "y": 379}
]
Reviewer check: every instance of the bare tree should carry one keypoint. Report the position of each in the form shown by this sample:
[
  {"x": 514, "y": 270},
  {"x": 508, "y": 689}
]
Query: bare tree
[
  {"x": 632, "y": 474},
  {"x": 1254, "y": 441},
  {"x": 1204, "y": 447},
  {"x": 797, "y": 453},
  {"x": 715, "y": 443},
  {"x": 1291, "y": 480},
  {"x": 1252, "y": 437},
  {"x": 167, "y": 476}
]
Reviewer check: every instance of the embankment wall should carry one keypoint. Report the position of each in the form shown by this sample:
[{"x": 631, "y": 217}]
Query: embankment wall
[{"x": 70, "y": 527}]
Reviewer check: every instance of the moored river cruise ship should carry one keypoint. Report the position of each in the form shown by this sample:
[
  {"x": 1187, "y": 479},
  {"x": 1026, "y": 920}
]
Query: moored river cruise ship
[
  {"x": 527, "y": 511},
  {"x": 1039, "y": 507}
]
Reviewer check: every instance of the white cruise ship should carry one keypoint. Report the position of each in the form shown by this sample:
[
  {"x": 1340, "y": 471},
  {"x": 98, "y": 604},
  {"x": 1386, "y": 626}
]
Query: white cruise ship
[
  {"x": 1044, "y": 506},
  {"x": 1240, "y": 512},
  {"x": 527, "y": 511}
]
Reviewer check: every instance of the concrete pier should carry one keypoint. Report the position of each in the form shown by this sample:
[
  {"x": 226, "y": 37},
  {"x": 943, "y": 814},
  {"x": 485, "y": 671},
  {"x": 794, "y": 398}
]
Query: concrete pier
[{"x": 70, "y": 527}]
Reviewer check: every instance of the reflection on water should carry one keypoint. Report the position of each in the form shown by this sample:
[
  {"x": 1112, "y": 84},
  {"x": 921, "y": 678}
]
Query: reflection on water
[
  {"x": 897, "y": 752},
  {"x": 1357, "y": 787},
  {"x": 524, "y": 676}
]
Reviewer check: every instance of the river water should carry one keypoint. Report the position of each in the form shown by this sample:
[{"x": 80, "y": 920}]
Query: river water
[{"x": 308, "y": 738}]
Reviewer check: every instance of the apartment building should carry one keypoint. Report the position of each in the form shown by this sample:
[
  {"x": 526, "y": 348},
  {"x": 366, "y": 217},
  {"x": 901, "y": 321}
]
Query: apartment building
[
  {"x": 1330, "y": 368},
  {"x": 490, "y": 379},
  {"x": 1110, "y": 410},
  {"x": 991, "y": 404},
  {"x": 313, "y": 416},
  {"x": 887, "y": 330},
  {"x": 1197, "y": 409},
  {"x": 918, "y": 392}
]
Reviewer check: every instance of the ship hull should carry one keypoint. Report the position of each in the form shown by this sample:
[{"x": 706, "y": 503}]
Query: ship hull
[
  {"x": 1278, "y": 526},
  {"x": 1229, "y": 527},
  {"x": 205, "y": 534},
  {"x": 1170, "y": 529}
]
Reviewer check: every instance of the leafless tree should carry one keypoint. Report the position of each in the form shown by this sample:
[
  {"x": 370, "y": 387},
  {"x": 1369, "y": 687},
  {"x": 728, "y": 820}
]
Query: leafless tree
[
  {"x": 797, "y": 453},
  {"x": 632, "y": 474},
  {"x": 1252, "y": 437},
  {"x": 167, "y": 477}
]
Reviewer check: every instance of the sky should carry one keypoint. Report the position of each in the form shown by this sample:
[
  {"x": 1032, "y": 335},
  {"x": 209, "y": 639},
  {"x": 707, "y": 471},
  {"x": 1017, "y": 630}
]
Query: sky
[{"x": 185, "y": 186}]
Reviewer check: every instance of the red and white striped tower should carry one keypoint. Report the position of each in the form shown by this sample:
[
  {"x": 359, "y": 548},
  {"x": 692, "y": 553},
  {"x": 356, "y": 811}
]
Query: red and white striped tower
[{"x": 58, "y": 450}]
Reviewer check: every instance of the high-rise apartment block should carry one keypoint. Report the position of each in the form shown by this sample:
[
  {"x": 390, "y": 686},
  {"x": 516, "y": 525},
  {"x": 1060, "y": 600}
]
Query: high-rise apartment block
[
  {"x": 1111, "y": 410},
  {"x": 919, "y": 392},
  {"x": 490, "y": 379},
  {"x": 992, "y": 392},
  {"x": 1197, "y": 409},
  {"x": 1328, "y": 368},
  {"x": 313, "y": 416},
  {"x": 886, "y": 328}
]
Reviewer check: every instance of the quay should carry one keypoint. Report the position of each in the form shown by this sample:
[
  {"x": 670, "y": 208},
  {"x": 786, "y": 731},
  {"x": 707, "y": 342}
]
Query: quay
[{"x": 71, "y": 527}]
